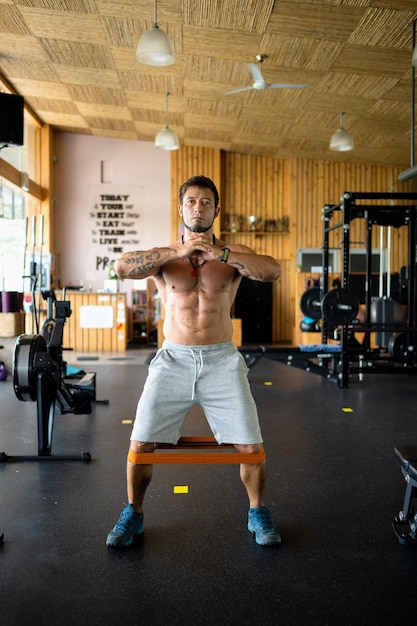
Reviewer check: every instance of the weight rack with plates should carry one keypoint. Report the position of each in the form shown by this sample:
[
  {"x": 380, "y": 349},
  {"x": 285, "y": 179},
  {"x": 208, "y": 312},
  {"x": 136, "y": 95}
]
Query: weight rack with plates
[
  {"x": 398, "y": 350},
  {"x": 338, "y": 308}
]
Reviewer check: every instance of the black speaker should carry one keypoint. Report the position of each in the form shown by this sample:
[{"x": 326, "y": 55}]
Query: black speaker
[{"x": 11, "y": 119}]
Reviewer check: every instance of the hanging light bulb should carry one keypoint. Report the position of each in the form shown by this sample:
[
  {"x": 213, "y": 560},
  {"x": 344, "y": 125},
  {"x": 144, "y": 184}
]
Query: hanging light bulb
[
  {"x": 155, "y": 47},
  {"x": 166, "y": 139},
  {"x": 341, "y": 140}
]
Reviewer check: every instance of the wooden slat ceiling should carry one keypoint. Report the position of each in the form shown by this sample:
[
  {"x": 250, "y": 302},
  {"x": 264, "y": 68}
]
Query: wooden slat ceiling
[{"x": 74, "y": 63}]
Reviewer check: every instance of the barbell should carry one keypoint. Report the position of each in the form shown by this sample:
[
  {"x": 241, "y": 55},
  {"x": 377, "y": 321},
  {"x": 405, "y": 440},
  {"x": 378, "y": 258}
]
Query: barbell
[{"x": 338, "y": 306}]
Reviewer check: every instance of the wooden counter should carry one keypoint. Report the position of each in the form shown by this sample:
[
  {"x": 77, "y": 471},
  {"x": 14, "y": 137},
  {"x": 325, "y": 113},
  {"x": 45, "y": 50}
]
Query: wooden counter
[{"x": 97, "y": 323}]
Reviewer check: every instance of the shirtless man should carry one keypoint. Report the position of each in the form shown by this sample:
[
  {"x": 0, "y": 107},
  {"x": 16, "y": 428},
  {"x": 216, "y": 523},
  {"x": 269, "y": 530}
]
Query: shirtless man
[{"x": 197, "y": 278}]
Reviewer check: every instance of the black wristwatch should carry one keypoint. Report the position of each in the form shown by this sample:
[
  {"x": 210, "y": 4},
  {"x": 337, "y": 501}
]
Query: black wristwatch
[{"x": 225, "y": 256}]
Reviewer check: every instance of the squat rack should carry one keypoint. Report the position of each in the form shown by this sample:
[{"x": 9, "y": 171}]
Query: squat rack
[{"x": 359, "y": 205}]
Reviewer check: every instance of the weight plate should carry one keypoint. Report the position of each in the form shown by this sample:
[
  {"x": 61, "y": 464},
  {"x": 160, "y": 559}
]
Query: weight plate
[
  {"x": 398, "y": 345},
  {"x": 310, "y": 303},
  {"x": 24, "y": 374},
  {"x": 340, "y": 306}
]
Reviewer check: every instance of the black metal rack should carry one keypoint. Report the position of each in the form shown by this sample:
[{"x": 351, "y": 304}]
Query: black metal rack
[{"x": 360, "y": 205}]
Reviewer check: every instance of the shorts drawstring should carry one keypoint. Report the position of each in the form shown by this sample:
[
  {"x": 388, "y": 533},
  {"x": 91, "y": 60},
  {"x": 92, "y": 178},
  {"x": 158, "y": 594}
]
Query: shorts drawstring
[{"x": 198, "y": 368}]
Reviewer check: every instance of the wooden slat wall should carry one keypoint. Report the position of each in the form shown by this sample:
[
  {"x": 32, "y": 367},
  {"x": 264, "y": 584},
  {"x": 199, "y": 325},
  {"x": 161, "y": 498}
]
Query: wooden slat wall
[
  {"x": 317, "y": 183},
  {"x": 271, "y": 188},
  {"x": 260, "y": 186},
  {"x": 283, "y": 317}
]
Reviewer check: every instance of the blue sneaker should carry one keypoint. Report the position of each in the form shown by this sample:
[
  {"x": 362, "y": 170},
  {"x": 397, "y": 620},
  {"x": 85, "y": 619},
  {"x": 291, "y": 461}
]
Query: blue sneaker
[
  {"x": 129, "y": 524},
  {"x": 260, "y": 524}
]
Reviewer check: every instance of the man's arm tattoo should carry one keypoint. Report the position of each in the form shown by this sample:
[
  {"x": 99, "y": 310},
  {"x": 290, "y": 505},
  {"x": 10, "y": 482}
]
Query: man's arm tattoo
[
  {"x": 241, "y": 268},
  {"x": 143, "y": 262}
]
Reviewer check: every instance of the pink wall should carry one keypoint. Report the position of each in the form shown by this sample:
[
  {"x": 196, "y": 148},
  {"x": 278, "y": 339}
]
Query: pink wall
[{"x": 93, "y": 219}]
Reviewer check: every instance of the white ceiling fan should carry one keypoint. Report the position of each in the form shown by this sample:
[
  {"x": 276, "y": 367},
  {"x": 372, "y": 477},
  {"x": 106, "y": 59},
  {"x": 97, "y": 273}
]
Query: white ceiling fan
[{"x": 258, "y": 80}]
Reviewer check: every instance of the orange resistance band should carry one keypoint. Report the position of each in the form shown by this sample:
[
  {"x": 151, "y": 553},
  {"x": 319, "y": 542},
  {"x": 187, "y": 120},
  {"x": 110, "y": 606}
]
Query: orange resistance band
[{"x": 195, "y": 458}]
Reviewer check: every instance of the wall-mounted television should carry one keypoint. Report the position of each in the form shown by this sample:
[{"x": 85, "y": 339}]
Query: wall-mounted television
[
  {"x": 357, "y": 260},
  {"x": 311, "y": 260}
]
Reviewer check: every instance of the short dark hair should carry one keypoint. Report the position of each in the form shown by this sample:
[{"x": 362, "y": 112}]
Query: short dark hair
[{"x": 200, "y": 181}]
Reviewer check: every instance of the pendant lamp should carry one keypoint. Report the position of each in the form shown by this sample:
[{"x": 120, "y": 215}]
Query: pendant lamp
[
  {"x": 166, "y": 139},
  {"x": 341, "y": 140},
  {"x": 155, "y": 47}
]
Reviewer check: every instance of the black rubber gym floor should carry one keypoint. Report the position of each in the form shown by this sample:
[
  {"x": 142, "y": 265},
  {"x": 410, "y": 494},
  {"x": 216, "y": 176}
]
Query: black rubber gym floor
[{"x": 333, "y": 489}]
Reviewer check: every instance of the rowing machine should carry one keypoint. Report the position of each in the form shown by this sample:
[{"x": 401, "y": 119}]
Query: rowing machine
[{"x": 38, "y": 371}]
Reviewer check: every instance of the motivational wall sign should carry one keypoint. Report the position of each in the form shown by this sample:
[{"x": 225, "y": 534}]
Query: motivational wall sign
[{"x": 116, "y": 223}]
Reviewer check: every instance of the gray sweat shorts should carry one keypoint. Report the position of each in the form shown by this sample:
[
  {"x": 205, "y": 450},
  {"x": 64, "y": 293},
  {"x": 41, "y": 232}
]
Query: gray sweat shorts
[{"x": 213, "y": 376}]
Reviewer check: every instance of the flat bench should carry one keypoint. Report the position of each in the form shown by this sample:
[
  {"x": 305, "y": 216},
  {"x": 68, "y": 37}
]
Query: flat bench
[
  {"x": 300, "y": 357},
  {"x": 405, "y": 524}
]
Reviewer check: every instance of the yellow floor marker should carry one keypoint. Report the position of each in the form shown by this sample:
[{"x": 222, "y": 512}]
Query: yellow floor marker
[
  {"x": 181, "y": 489},
  {"x": 127, "y": 421},
  {"x": 347, "y": 410}
]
